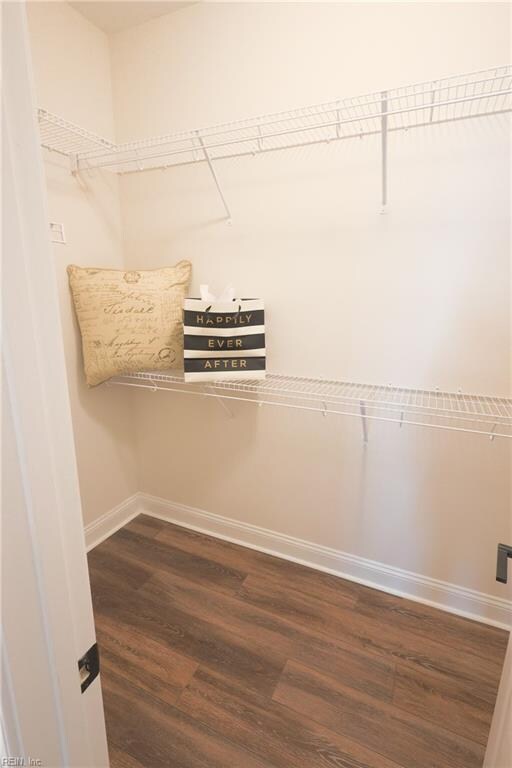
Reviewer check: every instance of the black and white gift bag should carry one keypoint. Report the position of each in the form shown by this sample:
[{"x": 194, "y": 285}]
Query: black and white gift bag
[{"x": 224, "y": 339}]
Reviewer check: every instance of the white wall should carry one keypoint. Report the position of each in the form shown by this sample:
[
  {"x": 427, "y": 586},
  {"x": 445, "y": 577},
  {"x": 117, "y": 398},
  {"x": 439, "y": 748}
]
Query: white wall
[
  {"x": 71, "y": 62},
  {"x": 418, "y": 297}
]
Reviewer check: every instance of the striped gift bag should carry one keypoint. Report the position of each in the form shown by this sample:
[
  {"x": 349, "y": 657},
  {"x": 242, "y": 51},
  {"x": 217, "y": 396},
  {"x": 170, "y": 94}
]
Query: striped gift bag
[{"x": 224, "y": 339}]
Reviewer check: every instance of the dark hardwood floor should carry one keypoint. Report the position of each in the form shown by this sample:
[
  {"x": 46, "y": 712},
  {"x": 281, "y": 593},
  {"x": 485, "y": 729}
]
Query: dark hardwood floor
[{"x": 217, "y": 656}]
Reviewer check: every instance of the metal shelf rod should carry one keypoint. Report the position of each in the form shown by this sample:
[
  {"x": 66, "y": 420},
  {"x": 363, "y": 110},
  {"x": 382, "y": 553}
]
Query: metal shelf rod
[
  {"x": 289, "y": 131},
  {"x": 323, "y": 108},
  {"x": 251, "y": 152},
  {"x": 320, "y": 408}
]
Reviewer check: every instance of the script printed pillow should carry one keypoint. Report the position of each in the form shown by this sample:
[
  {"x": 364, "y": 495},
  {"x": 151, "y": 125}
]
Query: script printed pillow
[{"x": 129, "y": 320}]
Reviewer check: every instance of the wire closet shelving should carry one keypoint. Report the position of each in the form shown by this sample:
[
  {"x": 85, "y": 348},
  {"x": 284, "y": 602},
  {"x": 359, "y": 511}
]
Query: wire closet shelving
[
  {"x": 459, "y": 97},
  {"x": 490, "y": 416}
]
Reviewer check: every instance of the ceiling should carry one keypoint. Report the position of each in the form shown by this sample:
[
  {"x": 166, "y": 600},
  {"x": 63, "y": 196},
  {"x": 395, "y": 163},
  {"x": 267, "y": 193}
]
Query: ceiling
[{"x": 119, "y": 14}]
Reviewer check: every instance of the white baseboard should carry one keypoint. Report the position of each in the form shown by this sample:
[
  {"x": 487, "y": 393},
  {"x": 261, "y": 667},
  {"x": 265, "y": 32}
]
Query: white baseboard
[
  {"x": 111, "y": 521},
  {"x": 396, "y": 581}
]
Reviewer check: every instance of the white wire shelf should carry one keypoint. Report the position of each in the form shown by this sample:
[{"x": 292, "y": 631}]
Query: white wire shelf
[
  {"x": 65, "y": 138},
  {"x": 490, "y": 416},
  {"x": 459, "y": 97}
]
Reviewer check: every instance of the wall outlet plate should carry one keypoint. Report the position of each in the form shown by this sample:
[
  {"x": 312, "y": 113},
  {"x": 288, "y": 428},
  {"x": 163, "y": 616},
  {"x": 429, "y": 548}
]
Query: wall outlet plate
[{"x": 57, "y": 234}]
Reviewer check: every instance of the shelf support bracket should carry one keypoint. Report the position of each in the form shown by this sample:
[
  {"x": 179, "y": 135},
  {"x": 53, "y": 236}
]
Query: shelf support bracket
[
  {"x": 364, "y": 421},
  {"x": 384, "y": 149},
  {"x": 215, "y": 178}
]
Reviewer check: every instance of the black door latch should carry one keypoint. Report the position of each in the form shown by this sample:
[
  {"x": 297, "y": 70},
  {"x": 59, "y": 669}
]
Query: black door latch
[
  {"x": 89, "y": 667},
  {"x": 504, "y": 552}
]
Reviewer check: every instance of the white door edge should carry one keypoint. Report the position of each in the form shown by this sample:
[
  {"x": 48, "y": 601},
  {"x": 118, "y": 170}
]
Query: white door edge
[{"x": 48, "y": 520}]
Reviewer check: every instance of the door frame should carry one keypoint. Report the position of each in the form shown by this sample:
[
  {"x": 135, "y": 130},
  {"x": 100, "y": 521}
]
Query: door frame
[
  {"x": 498, "y": 753},
  {"x": 48, "y": 507}
]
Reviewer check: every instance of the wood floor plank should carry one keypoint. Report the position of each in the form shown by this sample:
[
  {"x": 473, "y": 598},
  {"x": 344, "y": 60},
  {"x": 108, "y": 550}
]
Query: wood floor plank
[
  {"x": 120, "y": 758},
  {"x": 217, "y": 656},
  {"x": 153, "y": 553},
  {"x": 214, "y": 645},
  {"x": 409, "y": 740},
  {"x": 382, "y": 632},
  {"x": 305, "y": 580},
  {"x": 378, "y": 635},
  {"x": 456, "y": 631},
  {"x": 458, "y": 708},
  {"x": 272, "y": 732},
  {"x": 107, "y": 564},
  {"x": 367, "y": 633},
  {"x": 299, "y": 608},
  {"x": 157, "y": 735},
  {"x": 149, "y": 664},
  {"x": 364, "y": 671}
]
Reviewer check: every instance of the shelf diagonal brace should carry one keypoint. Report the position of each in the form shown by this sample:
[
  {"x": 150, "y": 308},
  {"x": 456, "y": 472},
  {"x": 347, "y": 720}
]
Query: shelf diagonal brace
[
  {"x": 214, "y": 175},
  {"x": 384, "y": 149},
  {"x": 73, "y": 165},
  {"x": 364, "y": 421},
  {"x": 209, "y": 391}
]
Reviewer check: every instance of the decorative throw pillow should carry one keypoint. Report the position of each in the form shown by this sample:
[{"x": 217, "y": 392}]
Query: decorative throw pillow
[{"x": 129, "y": 320}]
